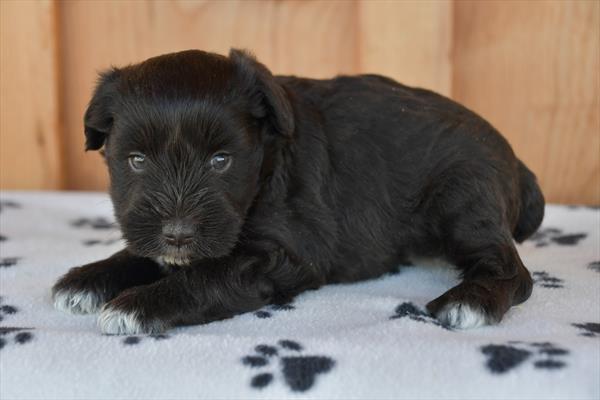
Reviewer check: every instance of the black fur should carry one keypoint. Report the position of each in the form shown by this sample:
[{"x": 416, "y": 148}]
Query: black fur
[{"x": 330, "y": 181}]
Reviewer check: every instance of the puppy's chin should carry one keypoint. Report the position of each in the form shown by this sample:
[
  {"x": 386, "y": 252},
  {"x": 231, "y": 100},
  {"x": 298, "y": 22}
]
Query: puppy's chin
[{"x": 174, "y": 259}]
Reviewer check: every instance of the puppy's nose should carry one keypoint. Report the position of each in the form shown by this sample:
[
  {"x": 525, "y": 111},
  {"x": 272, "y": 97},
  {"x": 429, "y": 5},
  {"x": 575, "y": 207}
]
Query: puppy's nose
[{"x": 178, "y": 233}]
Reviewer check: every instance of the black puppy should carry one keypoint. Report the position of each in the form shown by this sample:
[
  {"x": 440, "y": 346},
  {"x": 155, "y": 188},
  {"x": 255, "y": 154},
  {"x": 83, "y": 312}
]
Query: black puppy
[{"x": 234, "y": 189}]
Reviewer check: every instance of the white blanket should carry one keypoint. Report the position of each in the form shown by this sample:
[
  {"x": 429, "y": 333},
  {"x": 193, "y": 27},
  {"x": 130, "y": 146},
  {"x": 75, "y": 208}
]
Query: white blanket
[{"x": 369, "y": 340}]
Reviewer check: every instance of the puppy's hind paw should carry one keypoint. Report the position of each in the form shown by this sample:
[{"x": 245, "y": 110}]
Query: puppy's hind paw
[
  {"x": 462, "y": 316},
  {"x": 76, "y": 301}
]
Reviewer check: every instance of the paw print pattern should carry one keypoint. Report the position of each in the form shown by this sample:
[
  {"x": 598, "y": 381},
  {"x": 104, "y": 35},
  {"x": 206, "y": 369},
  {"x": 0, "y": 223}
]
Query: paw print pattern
[
  {"x": 4, "y": 204},
  {"x": 547, "y": 236},
  {"x": 594, "y": 266},
  {"x": 590, "y": 329},
  {"x": 502, "y": 358},
  {"x": 267, "y": 312},
  {"x": 132, "y": 340},
  {"x": 5, "y": 309},
  {"x": 98, "y": 223},
  {"x": 410, "y": 311},
  {"x": 94, "y": 242},
  {"x": 545, "y": 280},
  {"x": 20, "y": 335},
  {"x": 298, "y": 372},
  {"x": 6, "y": 262}
]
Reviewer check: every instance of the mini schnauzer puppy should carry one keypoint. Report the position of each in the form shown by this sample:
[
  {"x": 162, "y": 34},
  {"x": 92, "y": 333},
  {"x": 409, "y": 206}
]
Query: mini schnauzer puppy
[{"x": 235, "y": 189}]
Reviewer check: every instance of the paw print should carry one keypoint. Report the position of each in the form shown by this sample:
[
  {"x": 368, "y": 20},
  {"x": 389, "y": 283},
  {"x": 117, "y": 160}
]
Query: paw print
[
  {"x": 594, "y": 266},
  {"x": 590, "y": 329},
  {"x": 21, "y": 335},
  {"x": 504, "y": 357},
  {"x": 546, "y": 236},
  {"x": 6, "y": 262},
  {"x": 132, "y": 340},
  {"x": 546, "y": 280},
  {"x": 409, "y": 310},
  {"x": 298, "y": 372},
  {"x": 5, "y": 309},
  {"x": 267, "y": 312},
  {"x": 4, "y": 204},
  {"x": 99, "y": 223}
]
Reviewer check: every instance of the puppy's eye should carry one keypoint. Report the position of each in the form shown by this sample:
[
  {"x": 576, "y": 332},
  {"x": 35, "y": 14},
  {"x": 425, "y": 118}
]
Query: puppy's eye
[
  {"x": 136, "y": 161},
  {"x": 220, "y": 162}
]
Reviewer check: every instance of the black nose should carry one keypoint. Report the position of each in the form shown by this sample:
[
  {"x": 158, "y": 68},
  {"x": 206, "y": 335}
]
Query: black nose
[{"x": 178, "y": 233}]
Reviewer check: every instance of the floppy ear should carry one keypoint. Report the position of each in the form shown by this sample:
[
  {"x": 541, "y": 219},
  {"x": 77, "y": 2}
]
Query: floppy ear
[
  {"x": 98, "y": 119},
  {"x": 269, "y": 100}
]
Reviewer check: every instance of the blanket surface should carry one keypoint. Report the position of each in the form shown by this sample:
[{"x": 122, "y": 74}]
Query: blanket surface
[{"x": 370, "y": 340}]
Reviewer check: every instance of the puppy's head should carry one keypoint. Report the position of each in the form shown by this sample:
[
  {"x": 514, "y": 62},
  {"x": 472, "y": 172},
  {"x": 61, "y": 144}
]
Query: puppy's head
[{"x": 185, "y": 138}]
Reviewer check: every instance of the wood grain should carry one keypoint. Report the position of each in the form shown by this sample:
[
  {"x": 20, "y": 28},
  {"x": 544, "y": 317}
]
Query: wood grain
[
  {"x": 532, "y": 69},
  {"x": 29, "y": 120},
  {"x": 313, "y": 38},
  {"x": 409, "y": 41}
]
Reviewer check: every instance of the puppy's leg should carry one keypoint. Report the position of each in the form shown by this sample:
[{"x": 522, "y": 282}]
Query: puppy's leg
[
  {"x": 475, "y": 207},
  {"x": 195, "y": 294},
  {"x": 85, "y": 289},
  {"x": 494, "y": 276}
]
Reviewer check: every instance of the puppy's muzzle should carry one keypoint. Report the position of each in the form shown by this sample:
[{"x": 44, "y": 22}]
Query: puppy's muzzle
[{"x": 178, "y": 233}]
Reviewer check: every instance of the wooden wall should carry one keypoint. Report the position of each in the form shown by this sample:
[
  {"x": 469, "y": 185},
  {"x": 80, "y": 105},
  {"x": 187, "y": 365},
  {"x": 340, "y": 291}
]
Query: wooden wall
[{"x": 529, "y": 67}]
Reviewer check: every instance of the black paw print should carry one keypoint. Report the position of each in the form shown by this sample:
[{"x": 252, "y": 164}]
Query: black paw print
[
  {"x": 546, "y": 236},
  {"x": 504, "y": 357},
  {"x": 267, "y": 312},
  {"x": 299, "y": 372},
  {"x": 594, "y": 266},
  {"x": 94, "y": 242},
  {"x": 3, "y": 238},
  {"x": 131, "y": 340},
  {"x": 6, "y": 262},
  {"x": 21, "y": 335},
  {"x": 5, "y": 309},
  {"x": 590, "y": 329},
  {"x": 99, "y": 223},
  {"x": 8, "y": 204},
  {"x": 545, "y": 280},
  {"x": 409, "y": 310}
]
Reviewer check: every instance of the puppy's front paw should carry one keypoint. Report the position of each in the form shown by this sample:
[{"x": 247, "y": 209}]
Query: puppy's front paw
[
  {"x": 468, "y": 305},
  {"x": 78, "y": 292},
  {"x": 127, "y": 315},
  {"x": 76, "y": 301}
]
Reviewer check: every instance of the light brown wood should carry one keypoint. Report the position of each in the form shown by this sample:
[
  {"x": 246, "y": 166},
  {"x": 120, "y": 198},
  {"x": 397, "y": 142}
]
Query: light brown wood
[
  {"x": 292, "y": 37},
  {"x": 529, "y": 67},
  {"x": 532, "y": 69},
  {"x": 409, "y": 41},
  {"x": 29, "y": 120}
]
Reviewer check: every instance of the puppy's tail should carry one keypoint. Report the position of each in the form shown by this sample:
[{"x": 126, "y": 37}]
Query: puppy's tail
[{"x": 531, "y": 212}]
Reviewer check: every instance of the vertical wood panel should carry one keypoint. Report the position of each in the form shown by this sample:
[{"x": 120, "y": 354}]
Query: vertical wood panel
[
  {"x": 532, "y": 69},
  {"x": 312, "y": 38},
  {"x": 29, "y": 124},
  {"x": 409, "y": 41}
]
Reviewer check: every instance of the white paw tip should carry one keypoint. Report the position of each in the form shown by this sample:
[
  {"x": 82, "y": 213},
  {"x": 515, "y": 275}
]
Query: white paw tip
[
  {"x": 116, "y": 322},
  {"x": 76, "y": 302},
  {"x": 462, "y": 316}
]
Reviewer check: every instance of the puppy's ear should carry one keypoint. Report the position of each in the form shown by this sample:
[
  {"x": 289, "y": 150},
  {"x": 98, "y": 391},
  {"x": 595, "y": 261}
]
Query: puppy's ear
[
  {"x": 98, "y": 119},
  {"x": 269, "y": 100}
]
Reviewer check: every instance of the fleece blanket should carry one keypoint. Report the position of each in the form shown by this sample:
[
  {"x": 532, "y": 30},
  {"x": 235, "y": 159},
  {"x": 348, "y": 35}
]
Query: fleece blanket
[{"x": 370, "y": 340}]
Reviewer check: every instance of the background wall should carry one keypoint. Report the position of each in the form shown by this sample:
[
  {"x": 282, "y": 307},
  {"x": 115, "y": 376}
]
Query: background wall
[{"x": 530, "y": 67}]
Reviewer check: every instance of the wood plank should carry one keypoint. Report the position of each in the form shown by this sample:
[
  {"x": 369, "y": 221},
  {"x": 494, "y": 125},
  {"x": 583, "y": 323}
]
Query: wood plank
[
  {"x": 291, "y": 37},
  {"x": 409, "y": 41},
  {"x": 532, "y": 69},
  {"x": 29, "y": 119}
]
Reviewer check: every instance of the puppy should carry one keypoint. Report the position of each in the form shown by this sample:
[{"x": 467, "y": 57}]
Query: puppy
[{"x": 235, "y": 188}]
